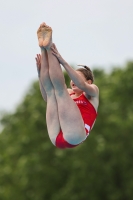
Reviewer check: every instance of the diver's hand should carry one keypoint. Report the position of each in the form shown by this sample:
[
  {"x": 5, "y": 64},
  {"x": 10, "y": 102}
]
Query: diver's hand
[
  {"x": 57, "y": 55},
  {"x": 38, "y": 63}
]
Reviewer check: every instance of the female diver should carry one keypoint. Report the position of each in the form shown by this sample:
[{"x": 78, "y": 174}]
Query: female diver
[{"x": 71, "y": 113}]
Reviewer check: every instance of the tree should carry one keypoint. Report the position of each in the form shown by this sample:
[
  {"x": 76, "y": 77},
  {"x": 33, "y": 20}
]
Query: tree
[{"x": 101, "y": 168}]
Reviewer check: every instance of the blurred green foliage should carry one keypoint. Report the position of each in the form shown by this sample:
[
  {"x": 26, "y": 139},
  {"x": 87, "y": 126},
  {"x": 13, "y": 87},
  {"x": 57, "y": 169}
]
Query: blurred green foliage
[{"x": 31, "y": 168}]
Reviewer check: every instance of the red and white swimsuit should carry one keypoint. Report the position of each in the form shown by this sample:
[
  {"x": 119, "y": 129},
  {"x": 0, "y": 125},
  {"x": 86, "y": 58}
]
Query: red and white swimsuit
[
  {"x": 89, "y": 115},
  {"x": 87, "y": 111}
]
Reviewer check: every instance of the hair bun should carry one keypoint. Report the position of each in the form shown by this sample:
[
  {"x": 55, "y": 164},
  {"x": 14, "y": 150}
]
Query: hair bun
[
  {"x": 87, "y": 68},
  {"x": 86, "y": 72}
]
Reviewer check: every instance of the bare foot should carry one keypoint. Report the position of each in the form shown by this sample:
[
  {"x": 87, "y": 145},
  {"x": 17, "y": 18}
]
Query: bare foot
[{"x": 44, "y": 34}]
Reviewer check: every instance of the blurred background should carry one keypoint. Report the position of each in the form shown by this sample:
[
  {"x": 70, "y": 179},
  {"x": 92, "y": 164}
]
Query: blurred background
[{"x": 98, "y": 34}]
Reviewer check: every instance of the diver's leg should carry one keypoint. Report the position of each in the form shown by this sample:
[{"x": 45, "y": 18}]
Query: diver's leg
[
  {"x": 69, "y": 116},
  {"x": 70, "y": 119},
  {"x": 52, "y": 118}
]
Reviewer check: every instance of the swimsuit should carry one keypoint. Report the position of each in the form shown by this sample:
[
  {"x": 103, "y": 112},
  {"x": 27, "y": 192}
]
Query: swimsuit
[{"x": 89, "y": 115}]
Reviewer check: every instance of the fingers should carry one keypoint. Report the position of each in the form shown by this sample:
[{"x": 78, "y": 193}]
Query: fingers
[
  {"x": 55, "y": 47},
  {"x": 38, "y": 60},
  {"x": 38, "y": 57},
  {"x": 54, "y": 54}
]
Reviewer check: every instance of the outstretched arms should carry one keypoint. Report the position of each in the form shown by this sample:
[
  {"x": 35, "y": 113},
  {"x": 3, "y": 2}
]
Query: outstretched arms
[{"x": 89, "y": 89}]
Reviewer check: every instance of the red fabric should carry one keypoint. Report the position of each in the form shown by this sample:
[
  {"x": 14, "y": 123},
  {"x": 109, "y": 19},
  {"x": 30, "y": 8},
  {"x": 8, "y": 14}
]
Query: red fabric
[
  {"x": 87, "y": 110},
  {"x": 62, "y": 143},
  {"x": 89, "y": 115}
]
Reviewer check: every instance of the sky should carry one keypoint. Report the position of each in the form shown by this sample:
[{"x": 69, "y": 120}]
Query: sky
[{"x": 97, "y": 33}]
